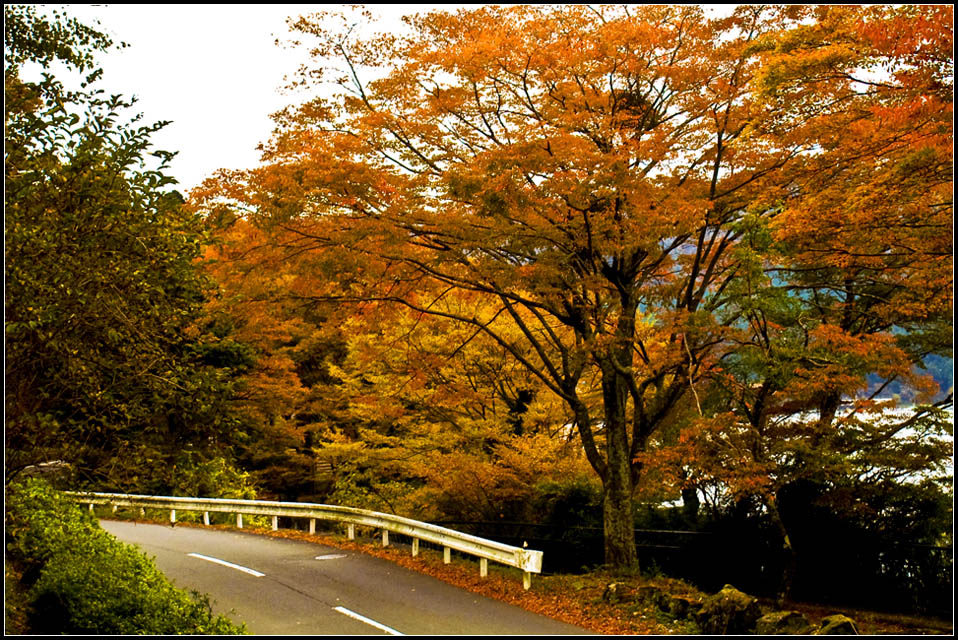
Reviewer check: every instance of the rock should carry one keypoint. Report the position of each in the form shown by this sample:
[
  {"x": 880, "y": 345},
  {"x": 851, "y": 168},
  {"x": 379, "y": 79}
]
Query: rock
[
  {"x": 728, "y": 612},
  {"x": 837, "y": 625},
  {"x": 783, "y": 623}
]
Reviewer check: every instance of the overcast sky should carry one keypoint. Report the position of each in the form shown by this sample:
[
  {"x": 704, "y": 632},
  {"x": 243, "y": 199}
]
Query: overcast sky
[{"x": 213, "y": 70}]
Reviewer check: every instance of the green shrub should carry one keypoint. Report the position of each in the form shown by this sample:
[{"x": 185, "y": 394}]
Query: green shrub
[
  {"x": 572, "y": 501},
  {"x": 82, "y": 580}
]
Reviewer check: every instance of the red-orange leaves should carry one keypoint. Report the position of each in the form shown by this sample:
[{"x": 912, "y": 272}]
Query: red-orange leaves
[{"x": 615, "y": 200}]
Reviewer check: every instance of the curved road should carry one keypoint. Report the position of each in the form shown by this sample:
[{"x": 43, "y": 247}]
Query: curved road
[{"x": 283, "y": 587}]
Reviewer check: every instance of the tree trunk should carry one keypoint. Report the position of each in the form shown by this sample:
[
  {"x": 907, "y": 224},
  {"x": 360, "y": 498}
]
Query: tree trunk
[
  {"x": 791, "y": 557},
  {"x": 618, "y": 520}
]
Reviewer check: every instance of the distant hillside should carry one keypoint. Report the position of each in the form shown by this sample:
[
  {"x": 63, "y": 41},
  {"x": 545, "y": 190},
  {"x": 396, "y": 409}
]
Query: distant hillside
[{"x": 942, "y": 369}]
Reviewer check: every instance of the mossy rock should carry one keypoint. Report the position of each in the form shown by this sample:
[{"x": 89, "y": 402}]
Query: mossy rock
[
  {"x": 682, "y": 607},
  {"x": 729, "y": 611},
  {"x": 612, "y": 593},
  {"x": 653, "y": 596},
  {"x": 837, "y": 625},
  {"x": 783, "y": 623}
]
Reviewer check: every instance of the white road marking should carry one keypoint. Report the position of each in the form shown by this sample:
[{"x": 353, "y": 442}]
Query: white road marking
[
  {"x": 252, "y": 572},
  {"x": 331, "y": 556},
  {"x": 373, "y": 623}
]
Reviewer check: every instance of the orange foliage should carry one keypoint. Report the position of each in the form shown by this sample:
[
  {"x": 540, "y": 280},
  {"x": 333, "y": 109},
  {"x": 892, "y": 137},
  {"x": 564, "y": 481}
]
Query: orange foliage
[{"x": 574, "y": 188}]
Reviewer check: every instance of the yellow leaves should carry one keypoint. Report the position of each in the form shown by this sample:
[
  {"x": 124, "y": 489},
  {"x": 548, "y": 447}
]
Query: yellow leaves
[{"x": 482, "y": 487}]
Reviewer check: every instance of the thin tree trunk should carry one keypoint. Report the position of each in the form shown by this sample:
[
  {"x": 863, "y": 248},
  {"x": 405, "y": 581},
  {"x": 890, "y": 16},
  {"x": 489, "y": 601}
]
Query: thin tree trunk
[{"x": 791, "y": 557}]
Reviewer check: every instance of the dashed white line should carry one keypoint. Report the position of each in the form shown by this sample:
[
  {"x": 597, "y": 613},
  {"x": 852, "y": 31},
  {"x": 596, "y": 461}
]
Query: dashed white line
[
  {"x": 331, "y": 556},
  {"x": 252, "y": 572},
  {"x": 372, "y": 623}
]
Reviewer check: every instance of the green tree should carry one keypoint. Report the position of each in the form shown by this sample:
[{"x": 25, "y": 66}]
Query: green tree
[{"x": 104, "y": 364}]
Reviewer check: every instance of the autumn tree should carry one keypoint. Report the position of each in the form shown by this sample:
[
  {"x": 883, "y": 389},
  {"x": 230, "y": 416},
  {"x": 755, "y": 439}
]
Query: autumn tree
[
  {"x": 847, "y": 289},
  {"x": 105, "y": 368},
  {"x": 281, "y": 353},
  {"x": 584, "y": 172}
]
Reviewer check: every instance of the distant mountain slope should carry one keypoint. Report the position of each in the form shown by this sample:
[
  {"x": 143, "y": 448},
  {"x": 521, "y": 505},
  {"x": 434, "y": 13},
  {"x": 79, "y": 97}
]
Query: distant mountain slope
[{"x": 941, "y": 368}]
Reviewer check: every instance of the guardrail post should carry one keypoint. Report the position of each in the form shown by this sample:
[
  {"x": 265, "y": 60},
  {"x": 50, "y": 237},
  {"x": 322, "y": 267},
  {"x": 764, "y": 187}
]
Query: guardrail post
[{"x": 527, "y": 561}]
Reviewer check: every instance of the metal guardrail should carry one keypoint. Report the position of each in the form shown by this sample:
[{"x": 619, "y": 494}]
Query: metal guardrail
[{"x": 528, "y": 560}]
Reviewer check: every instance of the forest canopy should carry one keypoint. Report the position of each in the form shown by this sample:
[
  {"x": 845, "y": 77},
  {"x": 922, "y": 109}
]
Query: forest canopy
[{"x": 691, "y": 242}]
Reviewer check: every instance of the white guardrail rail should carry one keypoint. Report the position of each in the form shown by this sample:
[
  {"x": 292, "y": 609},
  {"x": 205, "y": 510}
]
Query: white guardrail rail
[{"x": 528, "y": 560}]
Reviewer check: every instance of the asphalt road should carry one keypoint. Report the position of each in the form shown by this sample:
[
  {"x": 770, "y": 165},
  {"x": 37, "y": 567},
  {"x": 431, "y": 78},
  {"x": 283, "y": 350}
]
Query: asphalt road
[{"x": 284, "y": 587}]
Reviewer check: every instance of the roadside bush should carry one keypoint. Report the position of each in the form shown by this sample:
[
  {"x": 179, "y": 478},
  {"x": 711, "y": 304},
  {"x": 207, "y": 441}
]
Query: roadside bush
[
  {"x": 193, "y": 475},
  {"x": 81, "y": 580}
]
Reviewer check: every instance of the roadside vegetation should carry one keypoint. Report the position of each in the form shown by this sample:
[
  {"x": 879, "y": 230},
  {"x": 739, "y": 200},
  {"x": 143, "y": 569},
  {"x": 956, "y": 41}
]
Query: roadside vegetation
[{"x": 70, "y": 576}]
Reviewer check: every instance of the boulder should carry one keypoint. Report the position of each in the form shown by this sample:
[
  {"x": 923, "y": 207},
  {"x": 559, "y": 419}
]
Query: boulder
[
  {"x": 728, "y": 612},
  {"x": 837, "y": 625},
  {"x": 783, "y": 623}
]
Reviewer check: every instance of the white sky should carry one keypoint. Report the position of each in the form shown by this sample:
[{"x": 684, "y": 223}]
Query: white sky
[{"x": 213, "y": 70}]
